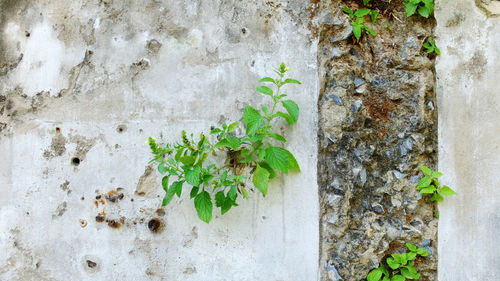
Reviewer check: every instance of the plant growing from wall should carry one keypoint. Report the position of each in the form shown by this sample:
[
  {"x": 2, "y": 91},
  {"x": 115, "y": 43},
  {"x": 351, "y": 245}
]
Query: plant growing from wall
[
  {"x": 430, "y": 184},
  {"x": 357, "y": 17},
  {"x": 424, "y": 7},
  {"x": 399, "y": 266},
  {"x": 189, "y": 161},
  {"x": 431, "y": 47}
]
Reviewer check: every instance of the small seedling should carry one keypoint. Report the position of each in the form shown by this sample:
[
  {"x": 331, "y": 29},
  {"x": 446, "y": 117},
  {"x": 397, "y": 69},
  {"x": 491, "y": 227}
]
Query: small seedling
[
  {"x": 357, "y": 22},
  {"x": 256, "y": 152},
  {"x": 424, "y": 7},
  {"x": 431, "y": 47},
  {"x": 430, "y": 184},
  {"x": 400, "y": 266}
]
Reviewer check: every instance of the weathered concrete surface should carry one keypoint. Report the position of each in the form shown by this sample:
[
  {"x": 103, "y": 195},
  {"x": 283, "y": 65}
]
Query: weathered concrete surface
[
  {"x": 377, "y": 124},
  {"x": 469, "y": 141},
  {"x": 92, "y": 80}
]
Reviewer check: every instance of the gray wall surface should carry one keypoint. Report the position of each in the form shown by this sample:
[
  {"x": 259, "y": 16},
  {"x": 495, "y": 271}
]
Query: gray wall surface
[
  {"x": 151, "y": 68},
  {"x": 468, "y": 75}
]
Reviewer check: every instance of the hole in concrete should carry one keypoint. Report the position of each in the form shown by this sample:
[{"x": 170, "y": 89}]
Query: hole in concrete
[
  {"x": 244, "y": 30},
  {"x": 27, "y": 34},
  {"x": 75, "y": 161},
  {"x": 91, "y": 264},
  {"x": 58, "y": 130},
  {"x": 121, "y": 128},
  {"x": 154, "y": 225}
]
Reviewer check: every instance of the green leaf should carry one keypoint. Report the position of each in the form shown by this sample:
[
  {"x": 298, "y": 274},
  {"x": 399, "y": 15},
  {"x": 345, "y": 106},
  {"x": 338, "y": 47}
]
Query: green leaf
[
  {"x": 277, "y": 137},
  {"x": 424, "y": 11},
  {"x": 287, "y": 81},
  {"x": 292, "y": 108},
  {"x": 365, "y": 2},
  {"x": 356, "y": 30},
  {"x": 194, "y": 192},
  {"x": 288, "y": 118},
  {"x": 164, "y": 183},
  {"x": 261, "y": 153},
  {"x": 193, "y": 177},
  {"x": 277, "y": 158},
  {"x": 187, "y": 160},
  {"x": 374, "y": 275},
  {"x": 392, "y": 263},
  {"x": 168, "y": 196},
  {"x": 220, "y": 198},
  {"x": 362, "y": 12},
  {"x": 398, "y": 278},
  {"x": 374, "y": 16},
  {"x": 253, "y": 120},
  {"x": 386, "y": 278},
  {"x": 412, "y": 256},
  {"x": 370, "y": 31},
  {"x": 446, "y": 191},
  {"x": 232, "y": 126},
  {"x": 411, "y": 247},
  {"x": 384, "y": 269},
  {"x": 425, "y": 181},
  {"x": 204, "y": 206},
  {"x": 407, "y": 274},
  {"x": 267, "y": 79},
  {"x": 348, "y": 11},
  {"x": 215, "y": 131},
  {"x": 162, "y": 168},
  {"x": 233, "y": 193},
  {"x": 428, "y": 190},
  {"x": 265, "y": 90},
  {"x": 436, "y": 174},
  {"x": 260, "y": 179},
  {"x": 265, "y": 165},
  {"x": 422, "y": 252},
  {"x": 410, "y": 8},
  {"x": 292, "y": 162},
  {"x": 426, "y": 170},
  {"x": 177, "y": 187},
  {"x": 232, "y": 142},
  {"x": 244, "y": 192},
  {"x": 437, "y": 197}
]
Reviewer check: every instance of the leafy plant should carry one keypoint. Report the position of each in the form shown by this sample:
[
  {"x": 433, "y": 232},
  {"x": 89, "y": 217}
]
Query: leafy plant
[
  {"x": 424, "y": 7},
  {"x": 365, "y": 2},
  {"x": 430, "y": 47},
  {"x": 357, "y": 22},
  {"x": 430, "y": 184},
  {"x": 400, "y": 266},
  {"x": 188, "y": 160}
]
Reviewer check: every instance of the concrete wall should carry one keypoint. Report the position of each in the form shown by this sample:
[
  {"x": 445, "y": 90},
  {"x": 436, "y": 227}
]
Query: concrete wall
[
  {"x": 469, "y": 140},
  {"x": 93, "y": 79}
]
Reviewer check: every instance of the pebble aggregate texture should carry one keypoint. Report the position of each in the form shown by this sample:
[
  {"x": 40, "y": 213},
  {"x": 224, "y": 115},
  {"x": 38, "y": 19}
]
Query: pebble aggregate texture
[
  {"x": 84, "y": 83},
  {"x": 377, "y": 124}
]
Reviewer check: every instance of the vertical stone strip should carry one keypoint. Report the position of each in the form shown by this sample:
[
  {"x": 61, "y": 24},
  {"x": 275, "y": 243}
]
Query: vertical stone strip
[{"x": 377, "y": 124}]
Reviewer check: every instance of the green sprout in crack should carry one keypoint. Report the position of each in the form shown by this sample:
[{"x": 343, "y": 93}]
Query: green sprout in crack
[
  {"x": 357, "y": 22},
  {"x": 431, "y": 47},
  {"x": 424, "y": 7}
]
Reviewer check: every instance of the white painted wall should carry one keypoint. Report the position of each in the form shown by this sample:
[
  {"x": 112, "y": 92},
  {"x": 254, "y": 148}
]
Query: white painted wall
[
  {"x": 468, "y": 73},
  {"x": 205, "y": 71}
]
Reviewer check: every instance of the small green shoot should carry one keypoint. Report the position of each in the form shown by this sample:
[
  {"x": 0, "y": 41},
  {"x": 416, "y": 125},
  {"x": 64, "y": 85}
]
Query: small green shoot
[
  {"x": 357, "y": 22},
  {"x": 430, "y": 184},
  {"x": 431, "y": 47},
  {"x": 399, "y": 266},
  {"x": 424, "y": 7}
]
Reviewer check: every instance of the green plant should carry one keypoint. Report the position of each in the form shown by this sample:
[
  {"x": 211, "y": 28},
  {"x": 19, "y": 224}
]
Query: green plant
[
  {"x": 401, "y": 266},
  {"x": 365, "y": 2},
  {"x": 430, "y": 46},
  {"x": 430, "y": 184},
  {"x": 424, "y": 7},
  {"x": 188, "y": 160},
  {"x": 357, "y": 22}
]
